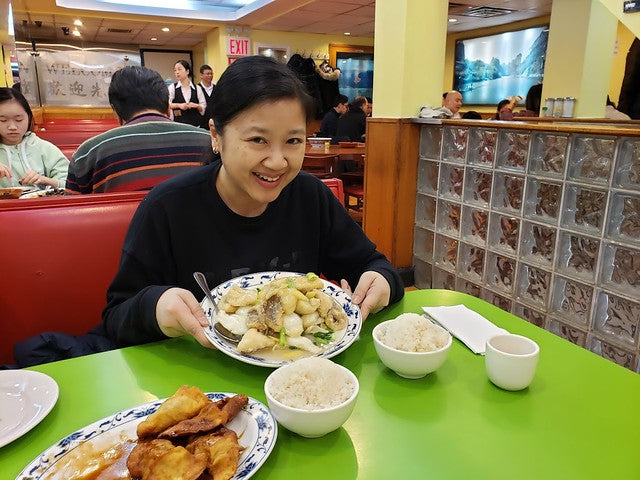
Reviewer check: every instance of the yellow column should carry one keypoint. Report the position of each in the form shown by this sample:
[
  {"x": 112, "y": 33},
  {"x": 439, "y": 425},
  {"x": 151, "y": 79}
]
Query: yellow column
[
  {"x": 409, "y": 53},
  {"x": 582, "y": 36},
  {"x": 215, "y": 51}
]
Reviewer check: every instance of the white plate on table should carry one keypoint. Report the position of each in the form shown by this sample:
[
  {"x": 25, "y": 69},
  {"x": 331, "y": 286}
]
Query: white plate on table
[
  {"x": 344, "y": 338},
  {"x": 26, "y": 397},
  {"x": 256, "y": 428}
]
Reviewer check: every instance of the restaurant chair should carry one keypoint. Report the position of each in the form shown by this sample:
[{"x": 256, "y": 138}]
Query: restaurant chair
[
  {"x": 321, "y": 166},
  {"x": 353, "y": 184}
]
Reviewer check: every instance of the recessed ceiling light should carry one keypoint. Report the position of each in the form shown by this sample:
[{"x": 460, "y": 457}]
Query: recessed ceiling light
[
  {"x": 153, "y": 39},
  {"x": 453, "y": 20},
  {"x": 347, "y": 33},
  {"x": 76, "y": 33},
  {"x": 165, "y": 29},
  {"x": 77, "y": 23}
]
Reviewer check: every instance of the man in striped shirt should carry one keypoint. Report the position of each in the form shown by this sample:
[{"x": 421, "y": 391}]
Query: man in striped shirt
[{"x": 147, "y": 149}]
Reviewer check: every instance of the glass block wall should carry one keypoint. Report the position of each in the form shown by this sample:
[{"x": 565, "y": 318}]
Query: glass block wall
[{"x": 543, "y": 224}]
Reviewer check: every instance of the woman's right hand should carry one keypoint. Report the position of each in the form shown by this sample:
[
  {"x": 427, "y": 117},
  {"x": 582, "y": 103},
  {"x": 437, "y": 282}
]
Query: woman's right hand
[
  {"x": 184, "y": 106},
  {"x": 5, "y": 171},
  {"x": 179, "y": 313}
]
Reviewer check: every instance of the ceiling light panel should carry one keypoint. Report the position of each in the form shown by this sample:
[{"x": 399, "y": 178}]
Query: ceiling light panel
[{"x": 217, "y": 10}]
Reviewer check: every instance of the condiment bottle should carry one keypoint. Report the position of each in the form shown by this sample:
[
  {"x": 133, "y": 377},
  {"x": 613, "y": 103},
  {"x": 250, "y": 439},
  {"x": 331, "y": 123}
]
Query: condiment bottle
[
  {"x": 567, "y": 107},
  {"x": 558, "y": 106},
  {"x": 549, "y": 107}
]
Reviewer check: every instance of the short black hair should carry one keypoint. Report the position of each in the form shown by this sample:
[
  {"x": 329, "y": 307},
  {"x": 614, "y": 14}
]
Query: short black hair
[
  {"x": 134, "y": 89},
  {"x": 253, "y": 80},
  {"x": 7, "y": 94},
  {"x": 472, "y": 115},
  {"x": 369, "y": 100},
  {"x": 341, "y": 99},
  {"x": 205, "y": 67}
]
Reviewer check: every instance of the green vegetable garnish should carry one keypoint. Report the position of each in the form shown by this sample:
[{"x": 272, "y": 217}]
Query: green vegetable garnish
[
  {"x": 283, "y": 337},
  {"x": 322, "y": 338},
  {"x": 312, "y": 276},
  {"x": 290, "y": 282}
]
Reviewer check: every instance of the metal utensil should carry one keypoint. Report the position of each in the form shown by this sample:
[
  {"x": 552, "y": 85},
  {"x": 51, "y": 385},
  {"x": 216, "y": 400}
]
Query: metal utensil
[
  {"x": 226, "y": 334},
  {"x": 202, "y": 283},
  {"x": 220, "y": 329}
]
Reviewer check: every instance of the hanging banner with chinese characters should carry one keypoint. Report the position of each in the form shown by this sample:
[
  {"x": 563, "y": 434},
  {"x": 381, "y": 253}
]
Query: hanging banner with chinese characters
[{"x": 79, "y": 78}]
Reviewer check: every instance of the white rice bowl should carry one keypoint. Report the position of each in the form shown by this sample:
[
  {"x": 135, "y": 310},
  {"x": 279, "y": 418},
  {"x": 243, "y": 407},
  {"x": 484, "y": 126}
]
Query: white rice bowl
[
  {"x": 411, "y": 332},
  {"x": 312, "y": 383}
]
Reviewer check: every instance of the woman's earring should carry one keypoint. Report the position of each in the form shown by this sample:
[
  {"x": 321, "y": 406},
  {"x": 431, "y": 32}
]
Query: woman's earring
[{"x": 215, "y": 150}]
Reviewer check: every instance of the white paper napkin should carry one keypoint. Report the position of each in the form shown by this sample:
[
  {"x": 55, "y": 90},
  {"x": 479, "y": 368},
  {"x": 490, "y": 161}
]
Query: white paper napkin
[{"x": 469, "y": 327}]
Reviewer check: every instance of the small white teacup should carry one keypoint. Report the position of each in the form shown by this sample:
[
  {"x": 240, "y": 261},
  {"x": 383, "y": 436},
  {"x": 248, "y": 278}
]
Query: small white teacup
[{"x": 511, "y": 361}]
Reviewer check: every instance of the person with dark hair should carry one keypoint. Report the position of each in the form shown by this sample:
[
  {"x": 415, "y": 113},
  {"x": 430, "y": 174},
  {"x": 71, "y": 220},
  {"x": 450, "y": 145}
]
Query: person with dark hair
[
  {"x": 251, "y": 210},
  {"x": 147, "y": 149},
  {"x": 208, "y": 87},
  {"x": 353, "y": 124},
  {"x": 329, "y": 123},
  {"x": 532, "y": 104},
  {"x": 471, "y": 115},
  {"x": 504, "y": 110},
  {"x": 187, "y": 102},
  {"x": 25, "y": 158}
]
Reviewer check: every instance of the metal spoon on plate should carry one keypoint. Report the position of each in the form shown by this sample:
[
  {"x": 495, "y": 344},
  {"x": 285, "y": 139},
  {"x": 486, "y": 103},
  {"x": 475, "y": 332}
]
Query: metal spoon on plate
[{"x": 217, "y": 326}]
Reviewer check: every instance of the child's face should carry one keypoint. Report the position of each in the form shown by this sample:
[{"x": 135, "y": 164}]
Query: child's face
[
  {"x": 262, "y": 150},
  {"x": 14, "y": 122}
]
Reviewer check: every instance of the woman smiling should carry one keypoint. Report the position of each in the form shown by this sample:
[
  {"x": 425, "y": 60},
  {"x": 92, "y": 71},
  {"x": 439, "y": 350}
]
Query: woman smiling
[{"x": 251, "y": 210}]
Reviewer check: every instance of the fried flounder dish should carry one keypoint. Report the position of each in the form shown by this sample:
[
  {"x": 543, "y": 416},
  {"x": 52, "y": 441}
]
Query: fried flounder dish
[
  {"x": 185, "y": 438},
  {"x": 287, "y": 313}
]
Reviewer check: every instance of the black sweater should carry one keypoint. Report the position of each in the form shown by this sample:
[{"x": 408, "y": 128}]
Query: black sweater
[{"x": 183, "y": 226}]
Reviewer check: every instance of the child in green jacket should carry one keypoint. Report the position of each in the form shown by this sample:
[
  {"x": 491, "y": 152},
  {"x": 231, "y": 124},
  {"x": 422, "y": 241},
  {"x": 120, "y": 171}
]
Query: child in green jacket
[{"x": 26, "y": 159}]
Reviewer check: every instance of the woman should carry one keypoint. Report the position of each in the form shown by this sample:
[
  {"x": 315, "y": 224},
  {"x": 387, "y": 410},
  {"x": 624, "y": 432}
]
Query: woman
[
  {"x": 186, "y": 111},
  {"x": 26, "y": 159},
  {"x": 250, "y": 210}
]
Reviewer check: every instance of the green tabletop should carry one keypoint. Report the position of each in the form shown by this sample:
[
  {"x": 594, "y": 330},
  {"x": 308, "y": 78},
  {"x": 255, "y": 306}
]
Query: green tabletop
[{"x": 579, "y": 419}]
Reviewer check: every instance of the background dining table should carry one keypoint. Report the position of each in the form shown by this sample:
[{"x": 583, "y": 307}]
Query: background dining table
[
  {"x": 357, "y": 149},
  {"x": 579, "y": 419}
]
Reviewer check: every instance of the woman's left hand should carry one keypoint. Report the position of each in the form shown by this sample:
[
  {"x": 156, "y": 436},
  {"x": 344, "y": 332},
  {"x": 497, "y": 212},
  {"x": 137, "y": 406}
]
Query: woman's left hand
[
  {"x": 32, "y": 177},
  {"x": 372, "y": 293}
]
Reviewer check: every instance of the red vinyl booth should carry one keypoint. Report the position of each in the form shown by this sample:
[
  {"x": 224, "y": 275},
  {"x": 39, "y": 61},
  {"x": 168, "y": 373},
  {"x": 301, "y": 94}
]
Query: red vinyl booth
[{"x": 58, "y": 256}]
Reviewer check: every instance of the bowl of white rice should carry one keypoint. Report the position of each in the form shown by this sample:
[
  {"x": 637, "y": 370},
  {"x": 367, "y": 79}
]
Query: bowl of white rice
[
  {"x": 411, "y": 345},
  {"x": 311, "y": 396}
]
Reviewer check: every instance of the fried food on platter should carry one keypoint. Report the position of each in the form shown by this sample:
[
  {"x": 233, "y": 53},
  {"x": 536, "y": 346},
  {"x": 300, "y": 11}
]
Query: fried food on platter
[
  {"x": 222, "y": 451},
  {"x": 163, "y": 459},
  {"x": 182, "y": 405},
  {"x": 177, "y": 463},
  {"x": 209, "y": 418},
  {"x": 144, "y": 454}
]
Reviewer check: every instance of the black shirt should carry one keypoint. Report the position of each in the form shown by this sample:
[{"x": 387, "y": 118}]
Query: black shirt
[
  {"x": 352, "y": 125},
  {"x": 329, "y": 124},
  {"x": 183, "y": 226}
]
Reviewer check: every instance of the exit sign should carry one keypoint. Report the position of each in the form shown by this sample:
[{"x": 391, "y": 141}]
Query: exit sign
[
  {"x": 237, "y": 46},
  {"x": 631, "y": 6}
]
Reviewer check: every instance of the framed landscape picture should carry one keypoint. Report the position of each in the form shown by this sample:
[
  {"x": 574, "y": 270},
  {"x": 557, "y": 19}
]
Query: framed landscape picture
[{"x": 492, "y": 68}]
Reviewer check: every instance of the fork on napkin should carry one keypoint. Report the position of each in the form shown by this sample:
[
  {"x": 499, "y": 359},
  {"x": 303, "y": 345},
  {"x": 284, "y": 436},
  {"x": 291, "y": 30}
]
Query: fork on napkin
[{"x": 469, "y": 327}]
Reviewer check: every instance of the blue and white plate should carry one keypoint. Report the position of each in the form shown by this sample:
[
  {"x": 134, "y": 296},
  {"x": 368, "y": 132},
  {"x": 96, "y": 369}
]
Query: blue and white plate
[
  {"x": 256, "y": 428},
  {"x": 277, "y": 358}
]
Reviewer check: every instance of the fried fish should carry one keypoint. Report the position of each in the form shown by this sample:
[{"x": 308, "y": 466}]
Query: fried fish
[
  {"x": 222, "y": 451},
  {"x": 210, "y": 417},
  {"x": 182, "y": 405}
]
